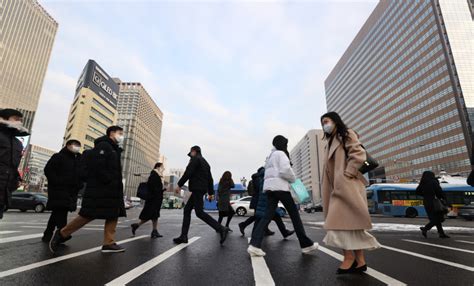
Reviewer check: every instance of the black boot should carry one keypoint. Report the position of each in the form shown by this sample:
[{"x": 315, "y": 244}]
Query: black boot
[
  {"x": 242, "y": 229},
  {"x": 443, "y": 235},
  {"x": 134, "y": 228},
  {"x": 423, "y": 232},
  {"x": 155, "y": 234},
  {"x": 288, "y": 233},
  {"x": 224, "y": 232}
]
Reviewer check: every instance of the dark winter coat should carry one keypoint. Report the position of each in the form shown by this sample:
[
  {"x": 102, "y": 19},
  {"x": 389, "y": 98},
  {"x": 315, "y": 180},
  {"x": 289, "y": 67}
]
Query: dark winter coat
[
  {"x": 10, "y": 156},
  {"x": 152, "y": 207},
  {"x": 223, "y": 191},
  {"x": 198, "y": 172},
  {"x": 431, "y": 190},
  {"x": 262, "y": 200},
  {"x": 103, "y": 196},
  {"x": 63, "y": 173}
]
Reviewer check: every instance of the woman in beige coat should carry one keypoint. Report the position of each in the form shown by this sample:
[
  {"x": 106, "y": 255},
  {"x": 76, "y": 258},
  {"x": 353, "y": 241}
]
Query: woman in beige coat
[{"x": 344, "y": 196}]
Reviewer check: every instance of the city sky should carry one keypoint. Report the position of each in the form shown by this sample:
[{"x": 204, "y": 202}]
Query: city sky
[{"x": 228, "y": 75}]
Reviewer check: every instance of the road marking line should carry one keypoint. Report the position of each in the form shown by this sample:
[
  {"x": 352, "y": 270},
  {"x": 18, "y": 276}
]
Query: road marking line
[
  {"x": 453, "y": 264},
  {"x": 465, "y": 241},
  {"x": 8, "y": 231},
  {"x": 40, "y": 227},
  {"x": 261, "y": 273},
  {"x": 370, "y": 271},
  {"x": 313, "y": 227},
  {"x": 138, "y": 271},
  {"x": 20, "y": 237},
  {"x": 61, "y": 258},
  {"x": 440, "y": 246}
]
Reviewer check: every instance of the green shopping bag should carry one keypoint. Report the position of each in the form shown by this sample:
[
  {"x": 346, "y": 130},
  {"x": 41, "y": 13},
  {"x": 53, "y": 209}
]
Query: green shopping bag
[{"x": 299, "y": 191}]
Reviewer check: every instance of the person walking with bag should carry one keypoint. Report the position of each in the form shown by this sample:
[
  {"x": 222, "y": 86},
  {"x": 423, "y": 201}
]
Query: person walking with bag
[
  {"x": 434, "y": 202},
  {"x": 63, "y": 172},
  {"x": 344, "y": 196},
  {"x": 153, "y": 202},
  {"x": 198, "y": 172},
  {"x": 225, "y": 209},
  {"x": 103, "y": 196},
  {"x": 278, "y": 176}
]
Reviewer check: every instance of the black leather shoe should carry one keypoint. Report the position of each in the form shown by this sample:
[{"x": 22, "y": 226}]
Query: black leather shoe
[
  {"x": 423, "y": 232},
  {"x": 349, "y": 270},
  {"x": 134, "y": 228},
  {"x": 269, "y": 232},
  {"x": 180, "y": 240},
  {"x": 360, "y": 269},
  {"x": 224, "y": 233},
  {"x": 242, "y": 229},
  {"x": 288, "y": 233}
]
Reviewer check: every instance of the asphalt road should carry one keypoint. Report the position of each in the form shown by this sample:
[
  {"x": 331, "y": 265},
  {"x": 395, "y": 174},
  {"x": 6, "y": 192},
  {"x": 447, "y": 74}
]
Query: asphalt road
[{"x": 406, "y": 257}]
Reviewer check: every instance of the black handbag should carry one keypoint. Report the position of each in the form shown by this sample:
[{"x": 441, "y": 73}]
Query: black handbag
[
  {"x": 440, "y": 206},
  {"x": 369, "y": 164}
]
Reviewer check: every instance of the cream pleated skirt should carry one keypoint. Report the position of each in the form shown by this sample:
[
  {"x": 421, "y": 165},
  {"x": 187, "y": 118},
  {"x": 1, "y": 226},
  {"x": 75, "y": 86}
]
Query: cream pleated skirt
[{"x": 351, "y": 239}]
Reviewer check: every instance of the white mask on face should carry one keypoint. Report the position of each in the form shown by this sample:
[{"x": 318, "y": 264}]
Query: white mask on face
[
  {"x": 75, "y": 149},
  {"x": 328, "y": 128},
  {"x": 119, "y": 139}
]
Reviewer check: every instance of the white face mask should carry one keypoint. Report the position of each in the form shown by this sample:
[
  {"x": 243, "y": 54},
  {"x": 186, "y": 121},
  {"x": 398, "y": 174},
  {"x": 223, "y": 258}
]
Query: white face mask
[
  {"x": 328, "y": 128},
  {"x": 75, "y": 149},
  {"x": 119, "y": 139}
]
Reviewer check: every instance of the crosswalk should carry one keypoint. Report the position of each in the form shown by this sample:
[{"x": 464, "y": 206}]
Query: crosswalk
[{"x": 262, "y": 271}]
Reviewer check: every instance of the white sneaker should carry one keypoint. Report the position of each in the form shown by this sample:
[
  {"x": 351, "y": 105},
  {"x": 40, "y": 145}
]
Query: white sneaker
[
  {"x": 255, "y": 252},
  {"x": 308, "y": 249}
]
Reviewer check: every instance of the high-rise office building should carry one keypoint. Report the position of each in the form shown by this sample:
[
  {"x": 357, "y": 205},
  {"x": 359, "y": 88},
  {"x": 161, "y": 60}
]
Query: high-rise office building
[
  {"x": 36, "y": 159},
  {"x": 307, "y": 158},
  {"x": 405, "y": 84},
  {"x": 94, "y": 108},
  {"x": 27, "y": 36},
  {"x": 141, "y": 120}
]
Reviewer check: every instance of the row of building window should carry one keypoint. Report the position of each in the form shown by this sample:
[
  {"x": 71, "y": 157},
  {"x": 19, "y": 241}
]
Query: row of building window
[
  {"x": 382, "y": 27},
  {"x": 102, "y": 116},
  {"x": 396, "y": 52}
]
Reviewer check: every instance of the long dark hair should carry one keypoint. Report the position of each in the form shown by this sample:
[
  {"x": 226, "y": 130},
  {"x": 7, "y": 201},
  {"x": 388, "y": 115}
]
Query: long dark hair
[
  {"x": 226, "y": 179},
  {"x": 280, "y": 143},
  {"x": 428, "y": 177},
  {"x": 341, "y": 128}
]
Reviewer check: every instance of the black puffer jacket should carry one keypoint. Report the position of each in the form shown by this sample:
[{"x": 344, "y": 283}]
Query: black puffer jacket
[
  {"x": 103, "y": 196},
  {"x": 10, "y": 156},
  {"x": 198, "y": 172},
  {"x": 62, "y": 171}
]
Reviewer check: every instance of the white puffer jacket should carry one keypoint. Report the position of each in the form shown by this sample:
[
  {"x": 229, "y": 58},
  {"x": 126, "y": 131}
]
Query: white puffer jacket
[{"x": 278, "y": 172}]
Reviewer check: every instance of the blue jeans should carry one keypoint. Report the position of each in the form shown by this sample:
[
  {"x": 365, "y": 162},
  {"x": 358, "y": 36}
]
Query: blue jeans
[{"x": 287, "y": 201}]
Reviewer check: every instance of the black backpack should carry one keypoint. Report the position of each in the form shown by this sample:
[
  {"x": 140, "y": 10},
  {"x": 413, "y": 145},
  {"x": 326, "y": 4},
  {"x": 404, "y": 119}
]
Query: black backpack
[{"x": 142, "y": 191}]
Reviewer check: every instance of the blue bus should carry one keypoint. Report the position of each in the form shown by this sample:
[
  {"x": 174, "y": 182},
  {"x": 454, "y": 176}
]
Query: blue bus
[
  {"x": 236, "y": 193},
  {"x": 401, "y": 199}
]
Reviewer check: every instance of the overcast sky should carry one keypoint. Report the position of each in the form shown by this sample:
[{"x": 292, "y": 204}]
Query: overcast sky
[{"x": 229, "y": 76}]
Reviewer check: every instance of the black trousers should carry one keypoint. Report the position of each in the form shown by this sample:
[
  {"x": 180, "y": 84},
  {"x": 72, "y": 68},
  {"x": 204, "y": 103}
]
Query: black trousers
[
  {"x": 276, "y": 218},
  {"x": 435, "y": 220},
  {"x": 229, "y": 214},
  {"x": 57, "y": 219},
  {"x": 285, "y": 198},
  {"x": 196, "y": 202}
]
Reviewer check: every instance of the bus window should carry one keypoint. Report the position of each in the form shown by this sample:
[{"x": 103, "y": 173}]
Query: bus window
[
  {"x": 399, "y": 195},
  {"x": 384, "y": 197}
]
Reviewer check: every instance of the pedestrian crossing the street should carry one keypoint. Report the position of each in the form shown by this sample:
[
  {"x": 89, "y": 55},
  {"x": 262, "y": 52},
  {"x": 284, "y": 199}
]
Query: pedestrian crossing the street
[{"x": 167, "y": 259}]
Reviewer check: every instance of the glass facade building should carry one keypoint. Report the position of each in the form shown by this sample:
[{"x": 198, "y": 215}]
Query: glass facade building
[
  {"x": 405, "y": 84},
  {"x": 142, "y": 121},
  {"x": 27, "y": 34}
]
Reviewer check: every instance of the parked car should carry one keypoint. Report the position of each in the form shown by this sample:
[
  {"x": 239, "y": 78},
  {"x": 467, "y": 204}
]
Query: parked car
[
  {"x": 312, "y": 208},
  {"x": 242, "y": 206},
  {"x": 24, "y": 201},
  {"x": 466, "y": 211}
]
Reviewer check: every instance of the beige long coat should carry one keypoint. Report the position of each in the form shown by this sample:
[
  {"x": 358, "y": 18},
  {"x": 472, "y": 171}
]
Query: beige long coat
[{"x": 343, "y": 190}]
